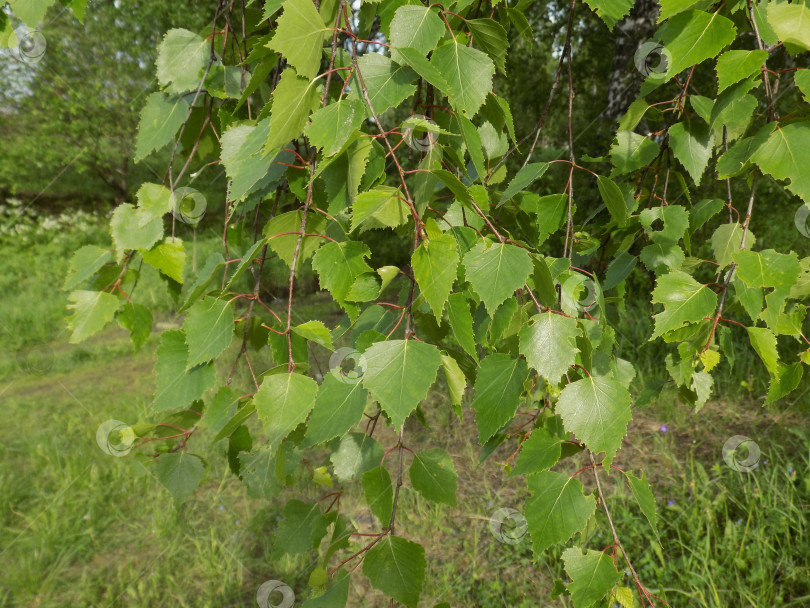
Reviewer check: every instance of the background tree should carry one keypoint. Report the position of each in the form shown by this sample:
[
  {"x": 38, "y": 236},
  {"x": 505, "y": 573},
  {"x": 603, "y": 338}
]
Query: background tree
[{"x": 69, "y": 113}]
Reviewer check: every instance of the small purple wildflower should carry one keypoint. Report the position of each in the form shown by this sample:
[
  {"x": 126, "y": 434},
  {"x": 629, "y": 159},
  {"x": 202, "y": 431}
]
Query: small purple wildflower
[
  {"x": 664, "y": 428},
  {"x": 790, "y": 470},
  {"x": 670, "y": 503}
]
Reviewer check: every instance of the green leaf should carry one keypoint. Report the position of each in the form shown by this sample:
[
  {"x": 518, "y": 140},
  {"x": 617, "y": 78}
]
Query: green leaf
[
  {"x": 208, "y": 275},
  {"x": 137, "y": 319},
  {"x": 791, "y": 22},
  {"x": 592, "y": 573},
  {"x": 160, "y": 120},
  {"x": 221, "y": 409},
  {"x": 92, "y": 310},
  {"x": 299, "y": 36},
  {"x": 764, "y": 343},
  {"x": 461, "y": 322},
  {"x": 544, "y": 283},
  {"x": 631, "y": 151},
  {"x": 257, "y": 469},
  {"x": 670, "y": 8},
  {"x": 596, "y": 409},
  {"x": 225, "y": 81},
  {"x": 332, "y": 126},
  {"x": 338, "y": 407},
  {"x": 154, "y": 200},
  {"x": 557, "y": 509},
  {"x": 180, "y": 473},
  {"x": 433, "y": 475},
  {"x": 675, "y": 222},
  {"x": 177, "y": 386},
  {"x": 726, "y": 241},
  {"x": 387, "y": 274},
  {"x": 468, "y": 73},
  {"x": 491, "y": 37},
  {"x": 181, "y": 60},
  {"x": 398, "y": 373},
  {"x": 417, "y": 27},
  {"x": 388, "y": 84},
  {"x": 495, "y": 143},
  {"x": 640, "y": 489},
  {"x": 338, "y": 265},
  {"x": 84, "y": 264},
  {"x": 169, "y": 257},
  {"x": 658, "y": 257},
  {"x": 271, "y": 7},
  {"x": 472, "y": 140},
  {"x": 520, "y": 22},
  {"x": 549, "y": 344},
  {"x": 283, "y": 401},
  {"x": 496, "y": 272},
  {"x": 786, "y": 155},
  {"x": 738, "y": 157},
  {"x": 751, "y": 298},
  {"x": 301, "y": 528},
  {"x": 435, "y": 265},
  {"x": 733, "y": 107},
  {"x": 32, "y": 12},
  {"x": 766, "y": 32},
  {"x": 787, "y": 380},
  {"x": 133, "y": 228},
  {"x": 209, "y": 330},
  {"x": 365, "y": 288},
  {"x": 381, "y": 207},
  {"x": 282, "y": 234},
  {"x": 523, "y": 179},
  {"x": 701, "y": 386},
  {"x": 619, "y": 269},
  {"x": 424, "y": 182},
  {"x": 614, "y": 199},
  {"x": 538, "y": 453},
  {"x": 692, "y": 37},
  {"x": 692, "y": 146},
  {"x": 315, "y": 331},
  {"x": 734, "y": 66},
  {"x": 456, "y": 382},
  {"x": 624, "y": 597},
  {"x": 611, "y": 11},
  {"x": 293, "y": 99},
  {"x": 356, "y": 454},
  {"x": 684, "y": 299},
  {"x": 243, "y": 158},
  {"x": 633, "y": 116},
  {"x": 260, "y": 73},
  {"x": 768, "y": 268},
  {"x": 345, "y": 172},
  {"x": 424, "y": 68},
  {"x": 379, "y": 493},
  {"x": 396, "y": 567},
  {"x": 802, "y": 80},
  {"x": 498, "y": 387}
]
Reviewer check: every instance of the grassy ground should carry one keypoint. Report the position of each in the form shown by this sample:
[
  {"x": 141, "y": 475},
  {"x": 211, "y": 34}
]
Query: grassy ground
[{"x": 82, "y": 528}]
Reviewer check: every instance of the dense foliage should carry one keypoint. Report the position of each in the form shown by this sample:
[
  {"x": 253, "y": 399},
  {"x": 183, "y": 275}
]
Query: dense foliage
[{"x": 334, "y": 123}]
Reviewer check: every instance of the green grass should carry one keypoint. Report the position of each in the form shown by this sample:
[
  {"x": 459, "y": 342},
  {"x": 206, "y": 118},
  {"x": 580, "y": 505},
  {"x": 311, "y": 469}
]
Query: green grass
[{"x": 83, "y": 528}]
